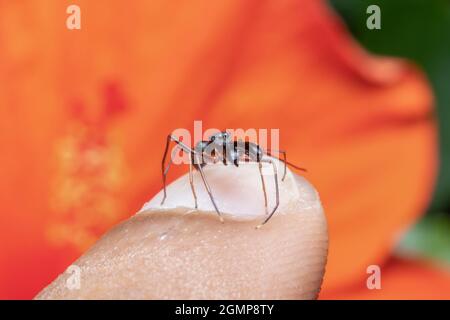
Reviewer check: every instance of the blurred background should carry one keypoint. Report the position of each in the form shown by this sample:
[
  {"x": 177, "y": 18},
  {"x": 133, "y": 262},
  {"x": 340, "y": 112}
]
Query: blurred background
[
  {"x": 84, "y": 115},
  {"x": 416, "y": 30}
]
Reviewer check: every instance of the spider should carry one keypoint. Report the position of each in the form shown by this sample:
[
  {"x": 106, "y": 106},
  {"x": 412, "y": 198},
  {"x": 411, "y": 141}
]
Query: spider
[{"x": 221, "y": 148}]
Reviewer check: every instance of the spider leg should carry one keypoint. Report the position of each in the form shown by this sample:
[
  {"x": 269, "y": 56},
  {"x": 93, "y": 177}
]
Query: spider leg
[
  {"x": 277, "y": 191},
  {"x": 263, "y": 185},
  {"x": 171, "y": 159},
  {"x": 164, "y": 170},
  {"x": 191, "y": 177},
  {"x": 191, "y": 181},
  {"x": 208, "y": 188},
  {"x": 268, "y": 151}
]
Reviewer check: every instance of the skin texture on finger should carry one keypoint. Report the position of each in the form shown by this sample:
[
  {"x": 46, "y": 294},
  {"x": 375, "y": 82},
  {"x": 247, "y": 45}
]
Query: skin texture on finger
[{"x": 180, "y": 253}]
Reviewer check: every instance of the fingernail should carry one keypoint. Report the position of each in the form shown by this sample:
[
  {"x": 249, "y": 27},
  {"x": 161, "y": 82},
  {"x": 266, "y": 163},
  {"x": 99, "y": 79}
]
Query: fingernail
[{"x": 238, "y": 192}]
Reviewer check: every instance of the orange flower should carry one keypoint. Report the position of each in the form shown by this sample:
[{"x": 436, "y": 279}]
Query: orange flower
[
  {"x": 401, "y": 279},
  {"x": 83, "y": 113}
]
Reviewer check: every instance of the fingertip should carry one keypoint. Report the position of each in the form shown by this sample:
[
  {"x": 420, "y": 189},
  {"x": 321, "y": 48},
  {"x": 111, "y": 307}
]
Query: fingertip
[{"x": 183, "y": 253}]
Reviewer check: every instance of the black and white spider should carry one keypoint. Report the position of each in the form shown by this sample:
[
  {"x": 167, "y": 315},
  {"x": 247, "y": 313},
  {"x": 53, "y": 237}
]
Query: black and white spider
[{"x": 221, "y": 148}]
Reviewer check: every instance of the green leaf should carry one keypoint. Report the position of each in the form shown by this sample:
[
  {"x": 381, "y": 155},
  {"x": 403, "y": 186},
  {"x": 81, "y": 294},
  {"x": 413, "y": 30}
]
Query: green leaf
[{"x": 430, "y": 238}]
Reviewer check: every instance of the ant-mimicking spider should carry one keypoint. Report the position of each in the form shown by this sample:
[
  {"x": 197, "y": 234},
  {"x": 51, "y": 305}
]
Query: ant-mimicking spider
[{"x": 220, "y": 147}]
